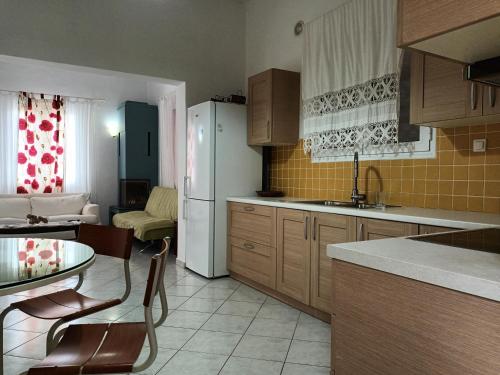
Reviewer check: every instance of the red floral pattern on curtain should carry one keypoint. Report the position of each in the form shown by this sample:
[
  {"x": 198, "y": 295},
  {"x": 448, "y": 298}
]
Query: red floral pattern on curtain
[{"x": 40, "y": 158}]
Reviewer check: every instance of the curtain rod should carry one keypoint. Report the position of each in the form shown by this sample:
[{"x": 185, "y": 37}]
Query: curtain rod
[{"x": 64, "y": 96}]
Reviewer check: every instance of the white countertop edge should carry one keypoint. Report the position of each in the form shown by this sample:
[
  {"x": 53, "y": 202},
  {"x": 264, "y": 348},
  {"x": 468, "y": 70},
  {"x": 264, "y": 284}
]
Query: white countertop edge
[
  {"x": 402, "y": 214},
  {"x": 436, "y": 276}
]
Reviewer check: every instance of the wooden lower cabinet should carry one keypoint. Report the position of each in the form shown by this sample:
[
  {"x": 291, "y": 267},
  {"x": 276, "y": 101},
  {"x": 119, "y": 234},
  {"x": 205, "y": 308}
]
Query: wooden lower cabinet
[
  {"x": 284, "y": 250},
  {"x": 253, "y": 222},
  {"x": 386, "y": 324},
  {"x": 294, "y": 254},
  {"x": 375, "y": 229},
  {"x": 253, "y": 260},
  {"x": 251, "y": 246},
  {"x": 326, "y": 229}
]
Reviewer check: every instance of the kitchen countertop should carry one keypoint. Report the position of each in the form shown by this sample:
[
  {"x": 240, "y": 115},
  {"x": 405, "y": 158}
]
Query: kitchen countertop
[
  {"x": 415, "y": 215},
  {"x": 464, "y": 270}
]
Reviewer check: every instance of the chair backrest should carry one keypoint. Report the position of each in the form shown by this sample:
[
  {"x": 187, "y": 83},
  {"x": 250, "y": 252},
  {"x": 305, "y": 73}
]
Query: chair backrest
[
  {"x": 162, "y": 203},
  {"x": 156, "y": 273},
  {"x": 107, "y": 240}
]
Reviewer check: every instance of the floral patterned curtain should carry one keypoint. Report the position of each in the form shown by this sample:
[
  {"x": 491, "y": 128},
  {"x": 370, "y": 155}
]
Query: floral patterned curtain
[
  {"x": 40, "y": 159},
  {"x": 39, "y": 257}
]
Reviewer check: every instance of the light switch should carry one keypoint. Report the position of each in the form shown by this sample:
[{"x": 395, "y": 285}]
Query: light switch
[{"x": 479, "y": 145}]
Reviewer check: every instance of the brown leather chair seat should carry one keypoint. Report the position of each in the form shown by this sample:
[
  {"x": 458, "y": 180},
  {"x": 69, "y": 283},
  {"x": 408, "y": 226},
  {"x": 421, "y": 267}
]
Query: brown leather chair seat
[
  {"x": 80, "y": 350},
  {"x": 66, "y": 304},
  {"x": 107, "y": 348}
]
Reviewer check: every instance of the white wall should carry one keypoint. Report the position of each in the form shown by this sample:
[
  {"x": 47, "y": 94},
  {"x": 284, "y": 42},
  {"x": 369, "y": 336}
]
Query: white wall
[
  {"x": 50, "y": 78},
  {"x": 270, "y": 39},
  {"x": 200, "y": 42}
]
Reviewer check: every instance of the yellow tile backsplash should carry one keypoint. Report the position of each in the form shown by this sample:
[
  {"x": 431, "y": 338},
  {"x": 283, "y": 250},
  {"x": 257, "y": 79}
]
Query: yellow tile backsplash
[{"x": 457, "y": 179}]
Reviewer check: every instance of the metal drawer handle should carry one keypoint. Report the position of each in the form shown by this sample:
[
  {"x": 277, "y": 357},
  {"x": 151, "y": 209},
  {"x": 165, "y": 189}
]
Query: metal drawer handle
[
  {"x": 493, "y": 96},
  {"x": 473, "y": 97},
  {"x": 248, "y": 246},
  {"x": 306, "y": 224},
  {"x": 249, "y": 208},
  {"x": 315, "y": 220},
  {"x": 360, "y": 233}
]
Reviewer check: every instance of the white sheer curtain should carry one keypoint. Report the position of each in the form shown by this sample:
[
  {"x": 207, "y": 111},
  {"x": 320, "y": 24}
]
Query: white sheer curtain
[
  {"x": 350, "y": 77},
  {"x": 80, "y": 163},
  {"x": 9, "y": 120},
  {"x": 166, "y": 141}
]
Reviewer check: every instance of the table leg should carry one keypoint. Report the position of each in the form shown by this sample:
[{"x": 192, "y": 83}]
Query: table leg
[
  {"x": 2, "y": 318},
  {"x": 80, "y": 281}
]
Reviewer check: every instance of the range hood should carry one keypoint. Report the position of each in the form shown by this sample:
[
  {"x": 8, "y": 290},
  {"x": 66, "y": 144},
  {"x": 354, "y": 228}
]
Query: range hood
[{"x": 485, "y": 71}]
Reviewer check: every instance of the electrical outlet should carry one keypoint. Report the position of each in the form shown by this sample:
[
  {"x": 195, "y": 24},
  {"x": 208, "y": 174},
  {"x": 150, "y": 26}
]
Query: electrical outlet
[{"x": 479, "y": 145}]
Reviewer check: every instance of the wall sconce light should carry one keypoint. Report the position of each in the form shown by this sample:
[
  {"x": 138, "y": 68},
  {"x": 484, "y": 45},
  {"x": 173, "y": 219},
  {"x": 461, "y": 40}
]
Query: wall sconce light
[{"x": 113, "y": 129}]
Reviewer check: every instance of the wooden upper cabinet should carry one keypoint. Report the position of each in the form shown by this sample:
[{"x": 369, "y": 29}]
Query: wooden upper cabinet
[
  {"x": 460, "y": 30},
  {"x": 375, "y": 229},
  {"x": 440, "y": 95},
  {"x": 491, "y": 100},
  {"x": 294, "y": 254},
  {"x": 326, "y": 229},
  {"x": 273, "y": 108}
]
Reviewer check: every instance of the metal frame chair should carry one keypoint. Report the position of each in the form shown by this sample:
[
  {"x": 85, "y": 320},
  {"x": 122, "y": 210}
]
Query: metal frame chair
[
  {"x": 100, "y": 348},
  {"x": 68, "y": 304}
]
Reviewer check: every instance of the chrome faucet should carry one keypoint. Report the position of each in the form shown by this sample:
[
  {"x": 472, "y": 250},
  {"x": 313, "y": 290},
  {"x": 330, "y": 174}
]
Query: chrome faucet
[{"x": 355, "y": 196}]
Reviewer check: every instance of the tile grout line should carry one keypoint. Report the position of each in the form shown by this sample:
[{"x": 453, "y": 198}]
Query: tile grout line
[
  {"x": 291, "y": 342},
  {"x": 243, "y": 335}
]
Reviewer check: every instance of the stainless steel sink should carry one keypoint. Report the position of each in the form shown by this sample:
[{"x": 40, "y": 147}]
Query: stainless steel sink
[{"x": 362, "y": 206}]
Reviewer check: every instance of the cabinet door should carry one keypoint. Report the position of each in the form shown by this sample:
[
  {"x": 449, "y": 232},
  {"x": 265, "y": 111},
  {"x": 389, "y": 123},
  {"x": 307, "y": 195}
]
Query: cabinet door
[
  {"x": 374, "y": 229},
  {"x": 326, "y": 229},
  {"x": 439, "y": 91},
  {"x": 491, "y": 100},
  {"x": 260, "y": 108},
  {"x": 294, "y": 254}
]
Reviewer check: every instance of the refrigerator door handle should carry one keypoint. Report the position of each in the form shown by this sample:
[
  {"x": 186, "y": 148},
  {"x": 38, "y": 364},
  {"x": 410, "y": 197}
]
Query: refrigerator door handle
[
  {"x": 184, "y": 209},
  {"x": 186, "y": 183}
]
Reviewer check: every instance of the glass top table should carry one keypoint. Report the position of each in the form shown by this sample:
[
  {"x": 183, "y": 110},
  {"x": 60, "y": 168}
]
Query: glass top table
[{"x": 28, "y": 263}]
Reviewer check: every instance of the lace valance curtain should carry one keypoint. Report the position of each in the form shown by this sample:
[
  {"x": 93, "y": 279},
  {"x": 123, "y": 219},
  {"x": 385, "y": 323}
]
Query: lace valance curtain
[{"x": 350, "y": 77}]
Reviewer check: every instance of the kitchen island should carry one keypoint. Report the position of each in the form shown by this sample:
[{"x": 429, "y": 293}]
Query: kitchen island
[{"x": 427, "y": 306}]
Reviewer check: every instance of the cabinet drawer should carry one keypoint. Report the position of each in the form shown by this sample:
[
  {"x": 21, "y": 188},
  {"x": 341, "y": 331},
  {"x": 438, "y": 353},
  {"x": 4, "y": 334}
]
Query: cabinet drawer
[
  {"x": 431, "y": 229},
  {"x": 253, "y": 222},
  {"x": 374, "y": 229},
  {"x": 254, "y": 261}
]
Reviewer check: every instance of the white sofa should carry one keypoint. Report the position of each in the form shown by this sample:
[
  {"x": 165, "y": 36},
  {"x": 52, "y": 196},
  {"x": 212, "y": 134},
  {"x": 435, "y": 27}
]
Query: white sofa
[{"x": 55, "y": 207}]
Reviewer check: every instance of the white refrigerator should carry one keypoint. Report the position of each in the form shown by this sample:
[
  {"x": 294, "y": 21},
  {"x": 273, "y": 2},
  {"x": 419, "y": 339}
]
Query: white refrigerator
[{"x": 219, "y": 164}]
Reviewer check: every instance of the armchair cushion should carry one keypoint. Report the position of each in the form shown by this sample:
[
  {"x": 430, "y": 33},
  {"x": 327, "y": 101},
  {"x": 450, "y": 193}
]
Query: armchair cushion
[
  {"x": 162, "y": 203},
  {"x": 145, "y": 226}
]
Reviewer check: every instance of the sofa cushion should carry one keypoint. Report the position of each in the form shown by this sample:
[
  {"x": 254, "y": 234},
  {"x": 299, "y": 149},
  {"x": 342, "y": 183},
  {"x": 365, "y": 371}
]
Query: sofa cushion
[
  {"x": 59, "y": 205},
  {"x": 142, "y": 222},
  {"x": 11, "y": 220},
  {"x": 15, "y": 207},
  {"x": 162, "y": 203}
]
